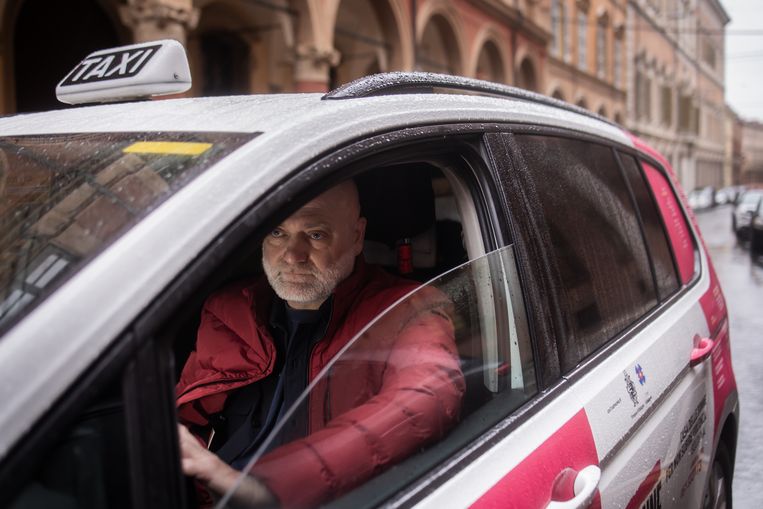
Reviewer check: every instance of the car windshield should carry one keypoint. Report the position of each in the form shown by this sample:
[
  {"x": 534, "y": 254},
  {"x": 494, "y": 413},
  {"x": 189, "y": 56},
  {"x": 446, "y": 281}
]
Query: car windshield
[{"x": 65, "y": 197}]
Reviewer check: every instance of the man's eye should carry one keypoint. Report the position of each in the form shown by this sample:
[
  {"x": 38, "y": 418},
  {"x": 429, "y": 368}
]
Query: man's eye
[
  {"x": 317, "y": 235},
  {"x": 276, "y": 233}
]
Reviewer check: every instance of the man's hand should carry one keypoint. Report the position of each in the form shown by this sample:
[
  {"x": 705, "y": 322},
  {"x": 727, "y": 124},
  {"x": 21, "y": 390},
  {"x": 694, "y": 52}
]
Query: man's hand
[
  {"x": 204, "y": 465},
  {"x": 220, "y": 477}
]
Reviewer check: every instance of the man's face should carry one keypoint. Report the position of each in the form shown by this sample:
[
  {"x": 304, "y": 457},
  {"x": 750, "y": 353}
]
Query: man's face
[{"x": 313, "y": 250}]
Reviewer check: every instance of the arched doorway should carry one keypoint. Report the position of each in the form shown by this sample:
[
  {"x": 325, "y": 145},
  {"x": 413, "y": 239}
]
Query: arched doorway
[
  {"x": 367, "y": 37},
  {"x": 527, "y": 77},
  {"x": 557, "y": 94},
  {"x": 489, "y": 64},
  {"x": 49, "y": 39},
  {"x": 224, "y": 63},
  {"x": 239, "y": 47},
  {"x": 438, "y": 50}
]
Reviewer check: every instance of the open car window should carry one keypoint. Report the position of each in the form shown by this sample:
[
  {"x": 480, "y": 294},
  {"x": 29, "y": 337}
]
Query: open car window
[{"x": 418, "y": 383}]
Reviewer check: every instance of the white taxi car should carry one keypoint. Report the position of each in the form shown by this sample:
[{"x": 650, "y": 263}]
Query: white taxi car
[{"x": 591, "y": 330}]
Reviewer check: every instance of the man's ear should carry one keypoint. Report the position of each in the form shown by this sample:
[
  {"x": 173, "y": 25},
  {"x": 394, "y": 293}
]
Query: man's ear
[{"x": 360, "y": 234}]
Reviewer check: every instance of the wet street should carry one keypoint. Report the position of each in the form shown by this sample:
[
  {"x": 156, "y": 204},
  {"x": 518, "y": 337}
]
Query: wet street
[{"x": 742, "y": 283}]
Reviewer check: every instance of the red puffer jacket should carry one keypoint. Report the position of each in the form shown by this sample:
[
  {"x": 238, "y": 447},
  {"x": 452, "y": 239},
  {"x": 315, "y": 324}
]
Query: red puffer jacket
[{"x": 395, "y": 389}]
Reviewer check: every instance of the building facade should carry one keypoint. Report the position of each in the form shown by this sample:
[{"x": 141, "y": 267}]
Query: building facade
[
  {"x": 571, "y": 49},
  {"x": 732, "y": 158},
  {"x": 586, "y": 63},
  {"x": 752, "y": 153},
  {"x": 676, "y": 88},
  {"x": 656, "y": 66}
]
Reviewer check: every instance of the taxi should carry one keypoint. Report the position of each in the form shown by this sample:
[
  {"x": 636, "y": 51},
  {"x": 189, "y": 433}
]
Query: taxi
[{"x": 591, "y": 333}]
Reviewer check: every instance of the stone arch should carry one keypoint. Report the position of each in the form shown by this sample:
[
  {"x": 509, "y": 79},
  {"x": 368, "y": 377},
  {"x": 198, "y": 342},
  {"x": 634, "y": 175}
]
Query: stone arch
[
  {"x": 602, "y": 111},
  {"x": 439, "y": 43},
  {"x": 85, "y": 25},
  {"x": 557, "y": 93},
  {"x": 489, "y": 61},
  {"x": 379, "y": 47},
  {"x": 582, "y": 102},
  {"x": 527, "y": 76},
  {"x": 618, "y": 117}
]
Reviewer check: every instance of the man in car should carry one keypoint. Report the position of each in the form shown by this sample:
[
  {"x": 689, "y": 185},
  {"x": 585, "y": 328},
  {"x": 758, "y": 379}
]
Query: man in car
[{"x": 261, "y": 343}]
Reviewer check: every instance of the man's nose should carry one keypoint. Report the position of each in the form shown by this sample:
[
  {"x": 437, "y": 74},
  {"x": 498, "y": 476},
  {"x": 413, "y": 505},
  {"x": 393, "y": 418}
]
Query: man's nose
[{"x": 297, "y": 249}]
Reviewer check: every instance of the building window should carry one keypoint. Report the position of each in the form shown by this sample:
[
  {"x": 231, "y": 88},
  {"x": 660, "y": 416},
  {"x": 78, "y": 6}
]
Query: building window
[
  {"x": 582, "y": 39},
  {"x": 643, "y": 96},
  {"x": 666, "y": 108},
  {"x": 708, "y": 53},
  {"x": 566, "y": 34},
  {"x": 601, "y": 48},
  {"x": 618, "y": 61},
  {"x": 555, "y": 28},
  {"x": 688, "y": 115}
]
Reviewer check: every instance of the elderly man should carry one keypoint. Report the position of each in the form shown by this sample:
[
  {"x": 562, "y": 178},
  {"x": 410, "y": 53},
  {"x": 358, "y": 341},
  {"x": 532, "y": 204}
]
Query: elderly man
[{"x": 261, "y": 343}]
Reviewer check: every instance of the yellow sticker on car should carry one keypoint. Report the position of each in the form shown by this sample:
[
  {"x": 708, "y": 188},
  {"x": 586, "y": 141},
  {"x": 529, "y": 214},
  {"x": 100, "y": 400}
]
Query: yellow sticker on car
[{"x": 175, "y": 148}]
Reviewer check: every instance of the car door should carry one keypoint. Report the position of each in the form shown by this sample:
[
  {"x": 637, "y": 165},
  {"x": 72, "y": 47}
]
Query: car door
[
  {"x": 498, "y": 367},
  {"x": 522, "y": 438},
  {"x": 631, "y": 325}
]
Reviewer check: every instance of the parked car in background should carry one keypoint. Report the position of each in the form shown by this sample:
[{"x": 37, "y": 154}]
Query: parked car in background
[
  {"x": 756, "y": 232},
  {"x": 741, "y": 216},
  {"x": 702, "y": 198},
  {"x": 590, "y": 327},
  {"x": 728, "y": 195}
]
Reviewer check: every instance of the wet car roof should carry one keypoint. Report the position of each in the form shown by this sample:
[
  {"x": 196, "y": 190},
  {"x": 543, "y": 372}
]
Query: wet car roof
[{"x": 303, "y": 112}]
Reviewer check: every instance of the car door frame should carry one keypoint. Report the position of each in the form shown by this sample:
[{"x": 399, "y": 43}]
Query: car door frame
[{"x": 299, "y": 185}]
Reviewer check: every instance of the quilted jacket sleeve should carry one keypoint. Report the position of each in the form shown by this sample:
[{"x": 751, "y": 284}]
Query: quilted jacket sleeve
[
  {"x": 230, "y": 352},
  {"x": 418, "y": 401}
]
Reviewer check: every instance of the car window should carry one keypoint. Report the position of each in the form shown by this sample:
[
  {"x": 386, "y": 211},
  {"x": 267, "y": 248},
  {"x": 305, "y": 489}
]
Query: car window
[
  {"x": 414, "y": 386},
  {"x": 65, "y": 197},
  {"x": 680, "y": 236},
  {"x": 595, "y": 239},
  {"x": 654, "y": 231},
  {"x": 751, "y": 197}
]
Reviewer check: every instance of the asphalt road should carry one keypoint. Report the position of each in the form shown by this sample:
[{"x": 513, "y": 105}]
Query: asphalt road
[{"x": 742, "y": 283}]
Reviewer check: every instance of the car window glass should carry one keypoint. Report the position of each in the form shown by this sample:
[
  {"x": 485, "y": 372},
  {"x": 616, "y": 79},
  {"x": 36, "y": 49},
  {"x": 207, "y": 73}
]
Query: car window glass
[
  {"x": 63, "y": 198},
  {"x": 440, "y": 365},
  {"x": 595, "y": 239},
  {"x": 751, "y": 197},
  {"x": 675, "y": 222},
  {"x": 654, "y": 231},
  {"x": 87, "y": 467}
]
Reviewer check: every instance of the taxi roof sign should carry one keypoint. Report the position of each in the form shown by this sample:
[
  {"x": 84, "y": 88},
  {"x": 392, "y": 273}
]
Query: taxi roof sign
[{"x": 127, "y": 72}]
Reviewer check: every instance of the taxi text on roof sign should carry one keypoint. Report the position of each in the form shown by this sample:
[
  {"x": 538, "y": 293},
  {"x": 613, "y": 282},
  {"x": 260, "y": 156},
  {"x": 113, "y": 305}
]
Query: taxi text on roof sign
[
  {"x": 109, "y": 66},
  {"x": 128, "y": 72}
]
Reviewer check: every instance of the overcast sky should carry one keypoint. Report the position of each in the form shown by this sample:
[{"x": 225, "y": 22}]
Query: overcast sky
[{"x": 744, "y": 58}]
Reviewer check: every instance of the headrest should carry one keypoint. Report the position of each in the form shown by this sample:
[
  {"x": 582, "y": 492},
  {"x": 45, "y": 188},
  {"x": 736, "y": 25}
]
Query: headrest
[{"x": 398, "y": 202}]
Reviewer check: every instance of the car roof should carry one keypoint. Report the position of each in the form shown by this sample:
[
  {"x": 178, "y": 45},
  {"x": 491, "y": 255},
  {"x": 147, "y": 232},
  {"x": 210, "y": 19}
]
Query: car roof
[
  {"x": 77, "y": 323},
  {"x": 266, "y": 113}
]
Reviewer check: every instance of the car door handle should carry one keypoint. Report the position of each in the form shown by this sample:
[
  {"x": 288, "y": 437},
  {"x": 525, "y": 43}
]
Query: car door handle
[
  {"x": 585, "y": 486},
  {"x": 701, "y": 351}
]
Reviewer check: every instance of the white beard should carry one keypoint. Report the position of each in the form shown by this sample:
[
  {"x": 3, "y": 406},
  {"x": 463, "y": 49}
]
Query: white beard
[{"x": 312, "y": 285}]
